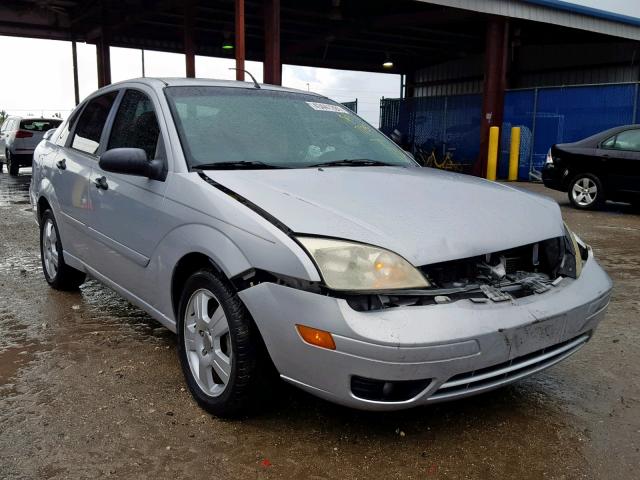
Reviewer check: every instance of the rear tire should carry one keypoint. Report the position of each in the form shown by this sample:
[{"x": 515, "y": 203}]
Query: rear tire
[
  {"x": 58, "y": 274},
  {"x": 585, "y": 192},
  {"x": 219, "y": 347},
  {"x": 13, "y": 167}
]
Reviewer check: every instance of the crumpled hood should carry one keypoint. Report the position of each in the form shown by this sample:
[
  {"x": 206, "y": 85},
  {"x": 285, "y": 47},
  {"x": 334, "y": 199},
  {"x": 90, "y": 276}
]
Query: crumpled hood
[{"x": 423, "y": 214}]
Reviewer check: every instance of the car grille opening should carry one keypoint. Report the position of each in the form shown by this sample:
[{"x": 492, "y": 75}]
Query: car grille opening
[
  {"x": 519, "y": 367},
  {"x": 387, "y": 391},
  {"x": 498, "y": 276}
]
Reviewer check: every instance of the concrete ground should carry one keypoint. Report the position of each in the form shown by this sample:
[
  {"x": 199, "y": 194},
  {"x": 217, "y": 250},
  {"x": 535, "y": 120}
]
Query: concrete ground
[{"x": 90, "y": 387}]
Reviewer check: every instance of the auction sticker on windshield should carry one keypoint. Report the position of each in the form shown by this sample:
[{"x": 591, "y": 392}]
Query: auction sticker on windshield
[{"x": 326, "y": 107}]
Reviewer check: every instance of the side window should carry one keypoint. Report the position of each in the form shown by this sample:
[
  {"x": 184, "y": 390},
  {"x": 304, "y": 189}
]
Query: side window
[
  {"x": 609, "y": 142},
  {"x": 135, "y": 125},
  {"x": 86, "y": 137},
  {"x": 67, "y": 127},
  {"x": 628, "y": 140}
]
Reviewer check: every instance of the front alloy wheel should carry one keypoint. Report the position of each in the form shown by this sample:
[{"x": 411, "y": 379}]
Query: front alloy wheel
[
  {"x": 207, "y": 342},
  {"x": 585, "y": 191}
]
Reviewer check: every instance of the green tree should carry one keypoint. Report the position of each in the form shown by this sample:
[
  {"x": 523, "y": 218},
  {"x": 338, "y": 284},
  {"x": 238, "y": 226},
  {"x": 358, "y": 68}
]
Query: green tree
[{"x": 3, "y": 116}]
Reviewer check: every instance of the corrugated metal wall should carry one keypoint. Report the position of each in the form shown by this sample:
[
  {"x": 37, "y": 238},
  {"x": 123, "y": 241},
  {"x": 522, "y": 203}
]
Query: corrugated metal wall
[{"x": 537, "y": 66}]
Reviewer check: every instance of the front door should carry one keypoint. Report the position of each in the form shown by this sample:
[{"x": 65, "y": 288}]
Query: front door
[
  {"x": 622, "y": 158},
  {"x": 128, "y": 219}
]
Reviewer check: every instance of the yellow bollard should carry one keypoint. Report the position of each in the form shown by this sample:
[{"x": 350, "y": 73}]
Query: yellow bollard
[
  {"x": 514, "y": 154},
  {"x": 492, "y": 160}
]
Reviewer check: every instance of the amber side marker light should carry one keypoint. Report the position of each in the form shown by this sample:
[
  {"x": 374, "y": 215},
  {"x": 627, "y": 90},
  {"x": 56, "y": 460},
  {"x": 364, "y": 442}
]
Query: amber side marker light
[{"x": 316, "y": 337}]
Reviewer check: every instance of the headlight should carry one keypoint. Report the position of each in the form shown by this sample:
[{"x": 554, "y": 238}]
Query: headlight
[{"x": 354, "y": 266}]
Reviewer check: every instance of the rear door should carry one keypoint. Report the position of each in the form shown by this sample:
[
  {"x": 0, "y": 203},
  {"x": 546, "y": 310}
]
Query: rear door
[
  {"x": 3, "y": 142},
  {"x": 79, "y": 141},
  {"x": 128, "y": 220},
  {"x": 5, "y": 133},
  {"x": 622, "y": 154}
]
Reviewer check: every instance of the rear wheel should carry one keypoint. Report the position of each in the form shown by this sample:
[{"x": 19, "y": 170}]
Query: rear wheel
[
  {"x": 218, "y": 346},
  {"x": 58, "y": 274},
  {"x": 13, "y": 167},
  {"x": 586, "y": 192}
]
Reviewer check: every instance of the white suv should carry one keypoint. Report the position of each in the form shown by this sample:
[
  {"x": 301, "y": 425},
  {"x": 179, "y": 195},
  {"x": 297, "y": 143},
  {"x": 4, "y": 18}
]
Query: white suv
[{"x": 19, "y": 137}]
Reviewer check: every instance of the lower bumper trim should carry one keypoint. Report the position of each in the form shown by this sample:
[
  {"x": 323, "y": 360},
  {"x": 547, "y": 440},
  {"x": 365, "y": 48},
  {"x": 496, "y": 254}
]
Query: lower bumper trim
[{"x": 497, "y": 375}]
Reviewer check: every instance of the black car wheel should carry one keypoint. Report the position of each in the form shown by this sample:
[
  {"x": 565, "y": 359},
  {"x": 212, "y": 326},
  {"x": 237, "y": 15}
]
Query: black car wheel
[
  {"x": 586, "y": 192},
  {"x": 218, "y": 346}
]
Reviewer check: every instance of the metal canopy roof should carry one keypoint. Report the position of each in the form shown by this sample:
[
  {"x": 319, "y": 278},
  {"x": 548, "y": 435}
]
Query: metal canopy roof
[
  {"x": 351, "y": 34},
  {"x": 555, "y": 12}
]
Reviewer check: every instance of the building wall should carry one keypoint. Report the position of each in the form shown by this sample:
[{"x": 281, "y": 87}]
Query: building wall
[{"x": 537, "y": 66}]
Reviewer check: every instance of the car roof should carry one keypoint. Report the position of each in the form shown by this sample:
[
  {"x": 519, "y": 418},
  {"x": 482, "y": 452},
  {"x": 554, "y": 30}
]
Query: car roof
[{"x": 160, "y": 82}]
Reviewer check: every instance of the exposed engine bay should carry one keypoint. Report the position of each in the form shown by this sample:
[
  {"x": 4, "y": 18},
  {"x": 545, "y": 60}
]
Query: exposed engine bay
[{"x": 494, "y": 277}]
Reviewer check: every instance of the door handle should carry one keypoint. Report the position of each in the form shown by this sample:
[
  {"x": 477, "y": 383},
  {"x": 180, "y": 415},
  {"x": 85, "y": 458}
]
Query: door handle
[
  {"x": 61, "y": 164},
  {"x": 101, "y": 182}
]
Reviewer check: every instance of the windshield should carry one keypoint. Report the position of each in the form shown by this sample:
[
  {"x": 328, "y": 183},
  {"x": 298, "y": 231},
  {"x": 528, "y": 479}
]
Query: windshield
[{"x": 267, "y": 129}]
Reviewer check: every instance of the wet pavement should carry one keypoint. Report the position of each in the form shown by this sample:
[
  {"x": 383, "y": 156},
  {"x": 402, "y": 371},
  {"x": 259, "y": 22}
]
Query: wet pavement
[{"x": 90, "y": 387}]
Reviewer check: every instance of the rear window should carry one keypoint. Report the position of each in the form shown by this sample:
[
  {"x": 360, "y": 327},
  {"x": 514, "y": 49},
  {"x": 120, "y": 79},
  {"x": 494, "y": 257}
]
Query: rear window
[{"x": 39, "y": 125}]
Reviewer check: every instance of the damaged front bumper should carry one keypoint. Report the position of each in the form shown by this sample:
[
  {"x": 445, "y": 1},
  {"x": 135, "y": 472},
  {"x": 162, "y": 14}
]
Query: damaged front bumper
[{"x": 407, "y": 356}]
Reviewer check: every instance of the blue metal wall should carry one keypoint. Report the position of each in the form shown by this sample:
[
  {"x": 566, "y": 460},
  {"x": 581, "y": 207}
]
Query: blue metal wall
[
  {"x": 545, "y": 115},
  {"x": 450, "y": 123},
  {"x": 561, "y": 115}
]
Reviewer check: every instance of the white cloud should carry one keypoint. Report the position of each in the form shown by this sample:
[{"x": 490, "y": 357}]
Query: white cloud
[{"x": 38, "y": 78}]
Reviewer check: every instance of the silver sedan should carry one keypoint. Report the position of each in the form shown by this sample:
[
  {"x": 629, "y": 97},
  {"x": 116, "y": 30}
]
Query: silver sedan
[{"x": 276, "y": 232}]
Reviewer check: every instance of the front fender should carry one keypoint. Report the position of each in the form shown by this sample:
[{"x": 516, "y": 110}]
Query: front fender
[{"x": 183, "y": 240}]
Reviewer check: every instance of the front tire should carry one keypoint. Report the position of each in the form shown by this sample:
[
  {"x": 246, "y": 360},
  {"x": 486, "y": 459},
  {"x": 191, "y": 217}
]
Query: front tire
[
  {"x": 218, "y": 346},
  {"x": 586, "y": 192},
  {"x": 58, "y": 274}
]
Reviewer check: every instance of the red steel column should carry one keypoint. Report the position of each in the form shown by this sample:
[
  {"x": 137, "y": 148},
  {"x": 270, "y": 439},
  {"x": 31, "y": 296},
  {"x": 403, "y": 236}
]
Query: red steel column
[
  {"x": 189, "y": 44},
  {"x": 495, "y": 84},
  {"x": 103, "y": 59},
  {"x": 272, "y": 63},
  {"x": 239, "y": 43}
]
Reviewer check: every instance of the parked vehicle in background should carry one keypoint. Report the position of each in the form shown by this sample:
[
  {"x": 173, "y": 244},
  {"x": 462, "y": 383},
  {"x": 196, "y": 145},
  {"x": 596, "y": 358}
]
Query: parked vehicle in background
[
  {"x": 275, "y": 230},
  {"x": 605, "y": 166},
  {"x": 19, "y": 137}
]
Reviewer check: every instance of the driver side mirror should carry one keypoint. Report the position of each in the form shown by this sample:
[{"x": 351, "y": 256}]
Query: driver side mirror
[
  {"x": 47, "y": 135},
  {"x": 132, "y": 161}
]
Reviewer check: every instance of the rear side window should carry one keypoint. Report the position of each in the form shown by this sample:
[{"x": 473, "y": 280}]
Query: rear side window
[
  {"x": 135, "y": 125},
  {"x": 86, "y": 137},
  {"x": 628, "y": 140},
  {"x": 39, "y": 125}
]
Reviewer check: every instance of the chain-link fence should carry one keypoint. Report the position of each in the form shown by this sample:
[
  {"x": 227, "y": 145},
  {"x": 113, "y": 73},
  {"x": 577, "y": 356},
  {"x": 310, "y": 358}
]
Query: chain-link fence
[{"x": 549, "y": 115}]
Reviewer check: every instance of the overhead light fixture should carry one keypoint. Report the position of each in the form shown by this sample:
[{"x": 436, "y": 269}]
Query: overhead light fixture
[
  {"x": 227, "y": 44},
  {"x": 388, "y": 64}
]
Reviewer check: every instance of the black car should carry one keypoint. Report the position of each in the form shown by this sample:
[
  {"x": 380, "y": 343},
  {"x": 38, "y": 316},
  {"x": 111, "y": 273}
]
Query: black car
[{"x": 605, "y": 166}]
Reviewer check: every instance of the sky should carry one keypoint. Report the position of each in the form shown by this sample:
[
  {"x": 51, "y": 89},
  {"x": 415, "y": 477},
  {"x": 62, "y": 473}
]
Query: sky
[
  {"x": 37, "y": 76},
  {"x": 622, "y": 7}
]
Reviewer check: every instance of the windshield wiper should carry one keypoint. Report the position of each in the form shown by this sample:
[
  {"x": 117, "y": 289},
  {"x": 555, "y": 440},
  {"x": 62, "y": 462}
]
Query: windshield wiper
[
  {"x": 242, "y": 164},
  {"x": 355, "y": 162}
]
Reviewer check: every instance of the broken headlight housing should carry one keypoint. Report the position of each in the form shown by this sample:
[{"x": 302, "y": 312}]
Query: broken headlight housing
[
  {"x": 353, "y": 266},
  {"x": 576, "y": 253}
]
